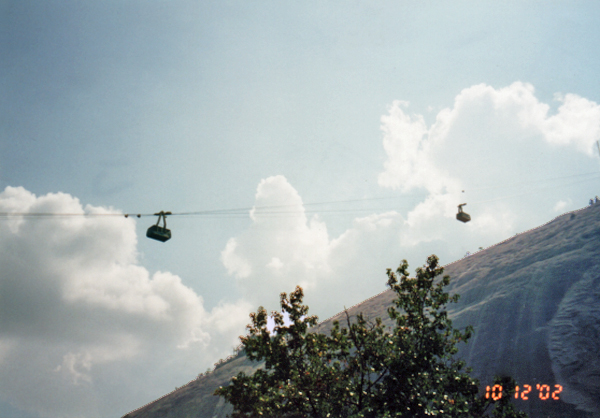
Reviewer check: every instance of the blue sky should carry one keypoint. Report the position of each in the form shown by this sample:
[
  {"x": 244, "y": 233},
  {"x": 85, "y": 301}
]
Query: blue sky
[{"x": 362, "y": 121}]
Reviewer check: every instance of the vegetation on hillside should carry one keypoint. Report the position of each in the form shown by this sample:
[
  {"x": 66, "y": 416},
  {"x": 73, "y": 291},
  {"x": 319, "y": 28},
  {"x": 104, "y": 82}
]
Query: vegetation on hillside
[{"x": 364, "y": 369}]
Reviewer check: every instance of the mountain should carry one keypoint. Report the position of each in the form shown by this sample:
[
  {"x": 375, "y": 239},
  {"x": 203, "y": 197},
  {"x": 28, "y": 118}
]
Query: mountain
[{"x": 534, "y": 303}]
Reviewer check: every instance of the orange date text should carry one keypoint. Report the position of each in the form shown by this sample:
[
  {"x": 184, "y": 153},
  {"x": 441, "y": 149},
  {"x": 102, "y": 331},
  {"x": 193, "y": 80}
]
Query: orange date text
[{"x": 544, "y": 392}]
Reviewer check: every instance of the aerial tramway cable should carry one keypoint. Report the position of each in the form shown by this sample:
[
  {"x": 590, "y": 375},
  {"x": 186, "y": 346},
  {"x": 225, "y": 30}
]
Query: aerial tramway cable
[{"x": 284, "y": 210}]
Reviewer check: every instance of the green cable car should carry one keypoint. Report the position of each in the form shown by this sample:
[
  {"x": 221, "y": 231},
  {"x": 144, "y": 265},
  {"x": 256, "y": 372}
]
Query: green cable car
[
  {"x": 160, "y": 233},
  {"x": 462, "y": 216}
]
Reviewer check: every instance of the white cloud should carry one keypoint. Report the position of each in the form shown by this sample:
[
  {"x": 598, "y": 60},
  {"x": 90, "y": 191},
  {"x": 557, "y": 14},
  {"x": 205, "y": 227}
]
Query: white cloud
[
  {"x": 490, "y": 138},
  {"x": 485, "y": 124},
  {"x": 233, "y": 262},
  {"x": 408, "y": 147},
  {"x": 77, "y": 366},
  {"x": 82, "y": 320},
  {"x": 577, "y": 122},
  {"x": 282, "y": 246}
]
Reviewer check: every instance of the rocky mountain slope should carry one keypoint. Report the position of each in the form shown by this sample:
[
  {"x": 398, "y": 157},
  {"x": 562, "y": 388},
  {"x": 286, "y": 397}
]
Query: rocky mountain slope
[{"x": 534, "y": 301}]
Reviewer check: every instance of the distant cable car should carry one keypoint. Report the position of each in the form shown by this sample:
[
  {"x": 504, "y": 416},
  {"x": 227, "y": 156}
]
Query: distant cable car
[
  {"x": 160, "y": 233},
  {"x": 462, "y": 216}
]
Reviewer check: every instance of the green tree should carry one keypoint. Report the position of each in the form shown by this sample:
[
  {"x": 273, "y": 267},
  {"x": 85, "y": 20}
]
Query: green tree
[{"x": 364, "y": 369}]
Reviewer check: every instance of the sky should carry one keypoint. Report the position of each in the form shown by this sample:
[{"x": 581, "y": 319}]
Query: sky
[{"x": 296, "y": 143}]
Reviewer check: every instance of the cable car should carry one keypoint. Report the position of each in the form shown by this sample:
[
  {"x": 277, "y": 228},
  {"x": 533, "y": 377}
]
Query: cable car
[
  {"x": 462, "y": 216},
  {"x": 160, "y": 233}
]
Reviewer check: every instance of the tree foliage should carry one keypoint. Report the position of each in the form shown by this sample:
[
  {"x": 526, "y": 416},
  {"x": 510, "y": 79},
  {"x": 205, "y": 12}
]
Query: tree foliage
[{"x": 365, "y": 368}]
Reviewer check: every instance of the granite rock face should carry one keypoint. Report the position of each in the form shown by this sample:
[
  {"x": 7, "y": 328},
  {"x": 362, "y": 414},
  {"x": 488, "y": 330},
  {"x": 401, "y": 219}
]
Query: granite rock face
[
  {"x": 574, "y": 344},
  {"x": 534, "y": 302}
]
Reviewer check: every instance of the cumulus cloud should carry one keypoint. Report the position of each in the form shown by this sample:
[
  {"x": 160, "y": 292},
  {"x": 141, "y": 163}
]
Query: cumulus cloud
[
  {"x": 493, "y": 149},
  {"x": 84, "y": 323},
  {"x": 576, "y": 123},
  {"x": 485, "y": 126},
  {"x": 489, "y": 150},
  {"x": 282, "y": 246}
]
